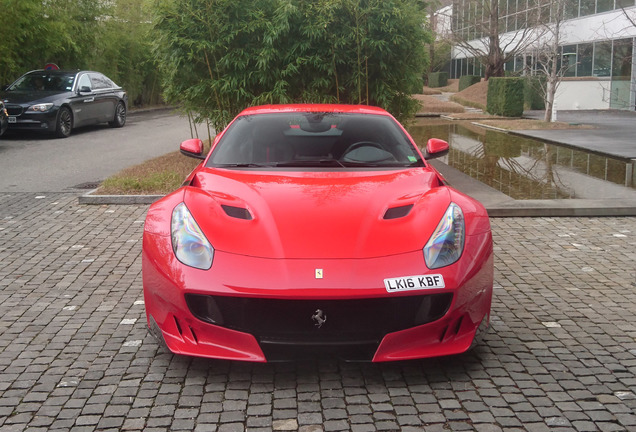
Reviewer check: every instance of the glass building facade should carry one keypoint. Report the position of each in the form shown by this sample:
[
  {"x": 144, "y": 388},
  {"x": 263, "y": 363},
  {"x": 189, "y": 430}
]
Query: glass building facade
[{"x": 612, "y": 59}]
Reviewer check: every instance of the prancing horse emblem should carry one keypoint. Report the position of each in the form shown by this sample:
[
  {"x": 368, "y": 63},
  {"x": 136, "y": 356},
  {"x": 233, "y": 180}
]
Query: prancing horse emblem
[{"x": 319, "y": 318}]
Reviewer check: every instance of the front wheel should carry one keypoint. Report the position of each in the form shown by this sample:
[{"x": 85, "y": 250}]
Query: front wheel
[
  {"x": 64, "y": 123},
  {"x": 120, "y": 116}
]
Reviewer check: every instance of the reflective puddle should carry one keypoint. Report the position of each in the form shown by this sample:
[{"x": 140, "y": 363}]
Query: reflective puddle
[{"x": 525, "y": 168}]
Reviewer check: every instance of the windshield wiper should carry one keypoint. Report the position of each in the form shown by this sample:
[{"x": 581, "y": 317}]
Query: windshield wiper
[
  {"x": 244, "y": 165},
  {"x": 379, "y": 164},
  {"x": 310, "y": 163}
]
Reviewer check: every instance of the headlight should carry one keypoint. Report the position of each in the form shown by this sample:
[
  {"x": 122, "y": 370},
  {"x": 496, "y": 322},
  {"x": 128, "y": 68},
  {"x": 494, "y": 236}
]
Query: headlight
[
  {"x": 41, "y": 107},
  {"x": 188, "y": 242},
  {"x": 447, "y": 242}
]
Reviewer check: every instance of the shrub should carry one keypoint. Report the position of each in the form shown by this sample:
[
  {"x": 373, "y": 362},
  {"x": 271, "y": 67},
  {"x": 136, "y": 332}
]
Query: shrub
[
  {"x": 468, "y": 80},
  {"x": 219, "y": 56},
  {"x": 533, "y": 93},
  {"x": 505, "y": 97},
  {"x": 437, "y": 79}
]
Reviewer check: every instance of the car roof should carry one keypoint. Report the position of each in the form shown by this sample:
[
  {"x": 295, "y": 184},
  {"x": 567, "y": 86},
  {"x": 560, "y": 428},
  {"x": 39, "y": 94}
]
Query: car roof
[
  {"x": 62, "y": 71},
  {"x": 329, "y": 108}
]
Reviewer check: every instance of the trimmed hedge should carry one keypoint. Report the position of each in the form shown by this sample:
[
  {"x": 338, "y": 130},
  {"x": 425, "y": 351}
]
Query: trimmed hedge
[
  {"x": 468, "y": 80},
  {"x": 505, "y": 97},
  {"x": 437, "y": 79},
  {"x": 533, "y": 93}
]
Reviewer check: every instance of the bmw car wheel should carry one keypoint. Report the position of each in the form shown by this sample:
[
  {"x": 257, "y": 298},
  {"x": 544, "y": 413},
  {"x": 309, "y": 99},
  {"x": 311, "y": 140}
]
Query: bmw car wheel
[
  {"x": 64, "y": 123},
  {"x": 120, "y": 116}
]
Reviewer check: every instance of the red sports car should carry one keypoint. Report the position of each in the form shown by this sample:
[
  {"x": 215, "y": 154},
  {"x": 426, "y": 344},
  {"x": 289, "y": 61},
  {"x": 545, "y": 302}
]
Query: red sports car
[{"x": 313, "y": 230}]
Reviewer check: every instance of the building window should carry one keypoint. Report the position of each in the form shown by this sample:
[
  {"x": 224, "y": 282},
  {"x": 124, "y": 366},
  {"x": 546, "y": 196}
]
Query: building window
[
  {"x": 622, "y": 59},
  {"x": 587, "y": 7},
  {"x": 604, "y": 5},
  {"x": 602, "y": 59},
  {"x": 571, "y": 9},
  {"x": 568, "y": 60},
  {"x": 624, "y": 3},
  {"x": 584, "y": 64}
]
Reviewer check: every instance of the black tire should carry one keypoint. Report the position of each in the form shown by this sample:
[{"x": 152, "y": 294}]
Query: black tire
[
  {"x": 120, "y": 116},
  {"x": 64, "y": 124}
]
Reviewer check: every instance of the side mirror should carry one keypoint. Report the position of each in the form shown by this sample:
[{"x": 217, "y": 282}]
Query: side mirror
[
  {"x": 435, "y": 148},
  {"x": 192, "y": 148},
  {"x": 85, "y": 89}
]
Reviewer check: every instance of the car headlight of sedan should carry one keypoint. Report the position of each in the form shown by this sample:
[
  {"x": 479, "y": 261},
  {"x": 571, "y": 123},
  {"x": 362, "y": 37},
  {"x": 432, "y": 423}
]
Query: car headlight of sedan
[
  {"x": 44, "y": 107},
  {"x": 188, "y": 242},
  {"x": 447, "y": 242}
]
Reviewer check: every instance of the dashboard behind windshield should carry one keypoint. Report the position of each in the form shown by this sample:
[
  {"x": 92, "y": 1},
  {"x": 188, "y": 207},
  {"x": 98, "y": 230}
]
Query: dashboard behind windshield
[{"x": 313, "y": 139}]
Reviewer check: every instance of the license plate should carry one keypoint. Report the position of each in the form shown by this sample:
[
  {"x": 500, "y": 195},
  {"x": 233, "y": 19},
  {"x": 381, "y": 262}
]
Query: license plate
[
  {"x": 12, "y": 119},
  {"x": 407, "y": 283}
]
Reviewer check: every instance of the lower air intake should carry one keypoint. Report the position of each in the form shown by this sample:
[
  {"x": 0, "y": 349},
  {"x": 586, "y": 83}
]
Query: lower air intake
[{"x": 319, "y": 322}]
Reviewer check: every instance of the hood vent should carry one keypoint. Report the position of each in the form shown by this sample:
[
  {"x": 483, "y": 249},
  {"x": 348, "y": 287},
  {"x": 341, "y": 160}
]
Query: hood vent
[
  {"x": 237, "y": 212},
  {"x": 398, "y": 212}
]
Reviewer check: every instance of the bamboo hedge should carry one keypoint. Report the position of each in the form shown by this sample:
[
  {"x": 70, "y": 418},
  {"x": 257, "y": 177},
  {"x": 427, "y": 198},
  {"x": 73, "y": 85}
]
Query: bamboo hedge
[{"x": 217, "y": 57}]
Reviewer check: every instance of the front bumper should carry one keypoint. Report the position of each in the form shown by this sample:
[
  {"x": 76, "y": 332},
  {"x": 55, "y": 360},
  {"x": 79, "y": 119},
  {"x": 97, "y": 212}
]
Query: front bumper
[
  {"x": 266, "y": 305},
  {"x": 20, "y": 119}
]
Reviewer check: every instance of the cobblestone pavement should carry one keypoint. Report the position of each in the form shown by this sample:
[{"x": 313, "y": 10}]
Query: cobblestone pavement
[{"x": 75, "y": 354}]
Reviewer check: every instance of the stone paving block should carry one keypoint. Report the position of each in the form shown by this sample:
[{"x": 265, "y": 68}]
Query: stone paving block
[{"x": 75, "y": 354}]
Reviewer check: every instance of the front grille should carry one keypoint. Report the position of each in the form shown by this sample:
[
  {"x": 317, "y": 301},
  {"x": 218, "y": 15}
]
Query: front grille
[
  {"x": 14, "y": 110},
  {"x": 290, "y": 322}
]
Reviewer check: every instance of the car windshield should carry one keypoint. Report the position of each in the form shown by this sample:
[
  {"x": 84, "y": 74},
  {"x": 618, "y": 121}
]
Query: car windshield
[
  {"x": 44, "y": 81},
  {"x": 314, "y": 139}
]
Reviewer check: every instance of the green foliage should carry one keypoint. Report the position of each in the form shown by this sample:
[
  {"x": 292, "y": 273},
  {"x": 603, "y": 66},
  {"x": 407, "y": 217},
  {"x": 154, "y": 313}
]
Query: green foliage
[
  {"x": 505, "y": 96},
  {"x": 125, "y": 54},
  {"x": 533, "y": 93},
  {"x": 437, "y": 79},
  {"x": 112, "y": 37},
  {"x": 468, "y": 80},
  {"x": 219, "y": 56},
  {"x": 35, "y": 33},
  {"x": 442, "y": 54}
]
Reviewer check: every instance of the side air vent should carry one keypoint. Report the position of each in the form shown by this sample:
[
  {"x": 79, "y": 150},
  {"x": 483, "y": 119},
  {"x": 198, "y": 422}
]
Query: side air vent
[
  {"x": 237, "y": 212},
  {"x": 398, "y": 212}
]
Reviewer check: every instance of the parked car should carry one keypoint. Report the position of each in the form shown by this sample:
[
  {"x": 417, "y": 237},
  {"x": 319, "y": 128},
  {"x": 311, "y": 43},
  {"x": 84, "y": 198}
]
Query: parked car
[
  {"x": 4, "y": 118},
  {"x": 313, "y": 230},
  {"x": 58, "y": 101}
]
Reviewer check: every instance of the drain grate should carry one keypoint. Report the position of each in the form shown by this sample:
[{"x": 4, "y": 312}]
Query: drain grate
[{"x": 87, "y": 185}]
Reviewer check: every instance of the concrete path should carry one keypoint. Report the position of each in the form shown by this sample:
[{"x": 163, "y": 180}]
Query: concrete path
[{"x": 614, "y": 133}]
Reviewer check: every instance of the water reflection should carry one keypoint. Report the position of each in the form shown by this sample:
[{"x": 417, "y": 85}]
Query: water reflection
[{"x": 526, "y": 168}]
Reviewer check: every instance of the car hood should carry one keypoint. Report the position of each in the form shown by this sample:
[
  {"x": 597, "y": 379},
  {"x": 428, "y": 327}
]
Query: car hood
[
  {"x": 30, "y": 97},
  {"x": 345, "y": 214}
]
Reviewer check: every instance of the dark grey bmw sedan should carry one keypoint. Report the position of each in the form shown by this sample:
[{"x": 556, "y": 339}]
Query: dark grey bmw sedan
[{"x": 58, "y": 101}]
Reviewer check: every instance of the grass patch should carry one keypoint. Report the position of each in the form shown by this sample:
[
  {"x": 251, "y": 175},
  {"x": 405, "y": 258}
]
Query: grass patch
[
  {"x": 452, "y": 87},
  {"x": 158, "y": 176},
  {"x": 474, "y": 96},
  {"x": 430, "y": 104},
  {"x": 469, "y": 103}
]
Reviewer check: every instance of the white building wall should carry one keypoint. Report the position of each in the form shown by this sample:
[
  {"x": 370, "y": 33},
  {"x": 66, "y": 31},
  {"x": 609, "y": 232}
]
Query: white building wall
[
  {"x": 604, "y": 26},
  {"x": 583, "y": 95}
]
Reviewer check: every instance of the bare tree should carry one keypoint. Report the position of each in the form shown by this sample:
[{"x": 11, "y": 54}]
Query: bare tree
[
  {"x": 481, "y": 35},
  {"x": 551, "y": 62},
  {"x": 630, "y": 17}
]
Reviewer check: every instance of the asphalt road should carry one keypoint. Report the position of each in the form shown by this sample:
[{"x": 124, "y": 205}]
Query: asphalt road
[{"x": 31, "y": 162}]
